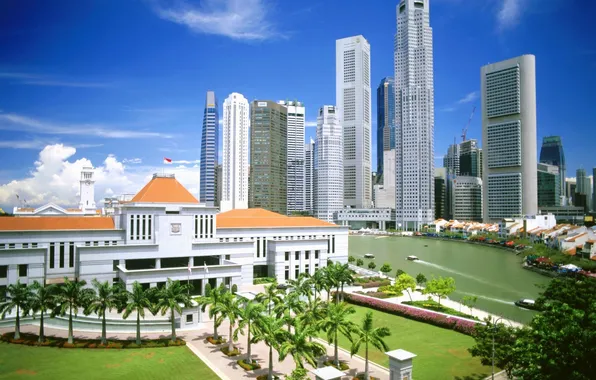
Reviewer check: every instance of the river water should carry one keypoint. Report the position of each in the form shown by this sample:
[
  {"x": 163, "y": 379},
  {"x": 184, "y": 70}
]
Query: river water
[{"x": 494, "y": 275}]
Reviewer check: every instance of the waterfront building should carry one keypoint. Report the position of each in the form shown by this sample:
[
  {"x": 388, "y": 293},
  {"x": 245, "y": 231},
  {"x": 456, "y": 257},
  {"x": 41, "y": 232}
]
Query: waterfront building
[
  {"x": 384, "y": 193},
  {"x": 385, "y": 121},
  {"x": 470, "y": 159},
  {"x": 467, "y": 198},
  {"x": 549, "y": 186},
  {"x": 440, "y": 189},
  {"x": 295, "y": 190},
  {"x": 552, "y": 153},
  {"x": 236, "y": 124},
  {"x": 329, "y": 178},
  {"x": 268, "y": 156},
  {"x": 415, "y": 115},
  {"x": 355, "y": 219},
  {"x": 309, "y": 177},
  {"x": 209, "y": 151},
  {"x": 353, "y": 99},
  {"x": 565, "y": 214},
  {"x": 508, "y": 92}
]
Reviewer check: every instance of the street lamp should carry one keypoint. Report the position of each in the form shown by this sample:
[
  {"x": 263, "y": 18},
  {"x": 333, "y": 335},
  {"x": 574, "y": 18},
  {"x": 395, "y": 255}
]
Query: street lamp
[{"x": 494, "y": 331}]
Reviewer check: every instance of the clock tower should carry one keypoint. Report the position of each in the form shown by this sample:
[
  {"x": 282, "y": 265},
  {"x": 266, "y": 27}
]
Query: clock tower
[{"x": 87, "y": 190}]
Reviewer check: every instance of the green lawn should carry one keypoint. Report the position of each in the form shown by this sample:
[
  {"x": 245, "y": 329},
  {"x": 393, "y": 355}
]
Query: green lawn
[
  {"x": 442, "y": 353},
  {"x": 19, "y": 361}
]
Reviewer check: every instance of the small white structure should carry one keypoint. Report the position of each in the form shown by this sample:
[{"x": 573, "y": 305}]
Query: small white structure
[
  {"x": 328, "y": 373},
  {"x": 400, "y": 364}
]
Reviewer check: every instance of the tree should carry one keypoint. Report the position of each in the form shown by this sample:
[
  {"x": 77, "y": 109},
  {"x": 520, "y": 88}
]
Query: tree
[
  {"x": 577, "y": 293},
  {"x": 368, "y": 335},
  {"x": 42, "y": 300},
  {"x": 70, "y": 297},
  {"x": 19, "y": 298},
  {"x": 398, "y": 273},
  {"x": 342, "y": 275},
  {"x": 420, "y": 279},
  {"x": 212, "y": 299},
  {"x": 270, "y": 330},
  {"x": 271, "y": 297},
  {"x": 372, "y": 265},
  {"x": 170, "y": 298},
  {"x": 385, "y": 268},
  {"x": 301, "y": 346},
  {"x": 248, "y": 314},
  {"x": 313, "y": 314},
  {"x": 321, "y": 281},
  {"x": 290, "y": 303},
  {"x": 302, "y": 286},
  {"x": 470, "y": 301},
  {"x": 106, "y": 297},
  {"x": 336, "y": 322},
  {"x": 359, "y": 262},
  {"x": 298, "y": 374},
  {"x": 405, "y": 282},
  {"x": 351, "y": 259},
  {"x": 440, "y": 287},
  {"x": 138, "y": 300},
  {"x": 229, "y": 308},
  {"x": 504, "y": 340}
]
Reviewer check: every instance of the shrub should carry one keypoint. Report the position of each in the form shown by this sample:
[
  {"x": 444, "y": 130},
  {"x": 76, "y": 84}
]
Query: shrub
[
  {"x": 248, "y": 366},
  {"x": 207, "y": 289},
  {"x": 359, "y": 262},
  {"x": 351, "y": 259},
  {"x": 31, "y": 340},
  {"x": 234, "y": 352},
  {"x": 265, "y": 376},
  {"x": 376, "y": 284},
  {"x": 379, "y": 294},
  {"x": 343, "y": 366},
  {"x": 263, "y": 280},
  {"x": 217, "y": 341},
  {"x": 234, "y": 289}
]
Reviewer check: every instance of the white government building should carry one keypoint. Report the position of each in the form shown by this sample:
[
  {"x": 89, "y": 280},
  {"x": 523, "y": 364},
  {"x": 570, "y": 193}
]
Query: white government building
[{"x": 163, "y": 232}]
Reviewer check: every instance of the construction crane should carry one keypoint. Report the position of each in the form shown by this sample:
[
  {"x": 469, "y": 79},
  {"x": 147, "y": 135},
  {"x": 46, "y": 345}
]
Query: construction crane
[{"x": 464, "y": 131}]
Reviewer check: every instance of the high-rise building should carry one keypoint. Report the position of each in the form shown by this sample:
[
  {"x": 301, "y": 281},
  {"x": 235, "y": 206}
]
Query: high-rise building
[
  {"x": 268, "y": 156},
  {"x": 384, "y": 193},
  {"x": 549, "y": 185},
  {"x": 451, "y": 159},
  {"x": 295, "y": 153},
  {"x": 236, "y": 125},
  {"x": 309, "y": 177},
  {"x": 329, "y": 179},
  {"x": 415, "y": 115},
  {"x": 583, "y": 190},
  {"x": 594, "y": 189},
  {"x": 467, "y": 198},
  {"x": 552, "y": 153},
  {"x": 509, "y": 138},
  {"x": 440, "y": 178},
  {"x": 352, "y": 94},
  {"x": 570, "y": 186},
  {"x": 209, "y": 150},
  {"x": 218, "y": 185},
  {"x": 385, "y": 120},
  {"x": 470, "y": 159}
]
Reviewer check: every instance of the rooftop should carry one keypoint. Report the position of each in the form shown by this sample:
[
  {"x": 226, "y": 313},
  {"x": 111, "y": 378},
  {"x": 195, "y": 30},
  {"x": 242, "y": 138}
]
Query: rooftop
[
  {"x": 56, "y": 223},
  {"x": 162, "y": 189},
  {"x": 260, "y": 218}
]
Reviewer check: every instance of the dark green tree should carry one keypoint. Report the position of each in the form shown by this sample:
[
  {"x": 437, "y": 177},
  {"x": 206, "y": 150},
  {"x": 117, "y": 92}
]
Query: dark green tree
[
  {"x": 70, "y": 297},
  {"x": 171, "y": 298},
  {"x": 372, "y": 265},
  {"x": 367, "y": 335},
  {"x": 138, "y": 300},
  {"x": 359, "y": 262},
  {"x": 385, "y": 268},
  {"x": 43, "y": 300},
  {"x": 19, "y": 298},
  {"x": 351, "y": 259},
  {"x": 398, "y": 273},
  {"x": 504, "y": 341},
  {"x": 106, "y": 298},
  {"x": 420, "y": 279}
]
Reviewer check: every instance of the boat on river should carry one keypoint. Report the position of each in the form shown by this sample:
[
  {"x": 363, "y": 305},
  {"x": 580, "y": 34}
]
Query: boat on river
[
  {"x": 412, "y": 258},
  {"x": 369, "y": 256},
  {"x": 526, "y": 304}
]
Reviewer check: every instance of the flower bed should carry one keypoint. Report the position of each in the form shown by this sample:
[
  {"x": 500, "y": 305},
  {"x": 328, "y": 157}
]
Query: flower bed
[
  {"x": 248, "y": 366},
  {"x": 31, "y": 340},
  {"x": 377, "y": 294},
  {"x": 343, "y": 366},
  {"x": 459, "y": 325},
  {"x": 234, "y": 352},
  {"x": 217, "y": 341},
  {"x": 375, "y": 284},
  {"x": 265, "y": 376}
]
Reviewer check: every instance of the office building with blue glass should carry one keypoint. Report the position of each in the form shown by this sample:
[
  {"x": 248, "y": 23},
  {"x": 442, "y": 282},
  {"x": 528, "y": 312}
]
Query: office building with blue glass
[
  {"x": 551, "y": 153},
  {"x": 385, "y": 120},
  {"x": 209, "y": 151}
]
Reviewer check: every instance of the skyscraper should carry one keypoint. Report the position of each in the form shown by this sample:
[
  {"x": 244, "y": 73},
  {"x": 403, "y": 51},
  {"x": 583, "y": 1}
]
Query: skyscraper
[
  {"x": 549, "y": 185},
  {"x": 583, "y": 190},
  {"x": 309, "y": 176},
  {"x": 451, "y": 159},
  {"x": 352, "y": 94},
  {"x": 385, "y": 120},
  {"x": 209, "y": 150},
  {"x": 268, "y": 156},
  {"x": 470, "y": 159},
  {"x": 295, "y": 156},
  {"x": 552, "y": 153},
  {"x": 236, "y": 124},
  {"x": 467, "y": 198},
  {"x": 329, "y": 179},
  {"x": 415, "y": 115},
  {"x": 509, "y": 138},
  {"x": 440, "y": 178},
  {"x": 594, "y": 189}
]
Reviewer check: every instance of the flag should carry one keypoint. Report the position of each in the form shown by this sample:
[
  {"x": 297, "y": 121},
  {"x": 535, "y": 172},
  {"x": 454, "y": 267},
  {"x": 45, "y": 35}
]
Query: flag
[
  {"x": 205, "y": 268},
  {"x": 189, "y": 268},
  {"x": 167, "y": 160}
]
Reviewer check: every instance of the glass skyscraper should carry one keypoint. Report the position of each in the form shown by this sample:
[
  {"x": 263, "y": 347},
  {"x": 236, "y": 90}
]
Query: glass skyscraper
[
  {"x": 385, "y": 120},
  {"x": 552, "y": 153},
  {"x": 209, "y": 151}
]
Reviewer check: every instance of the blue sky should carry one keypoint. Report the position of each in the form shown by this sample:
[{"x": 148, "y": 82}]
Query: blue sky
[{"x": 127, "y": 79}]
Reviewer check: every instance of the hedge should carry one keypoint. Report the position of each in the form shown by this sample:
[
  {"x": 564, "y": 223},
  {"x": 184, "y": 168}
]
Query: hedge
[
  {"x": 375, "y": 284},
  {"x": 263, "y": 280},
  {"x": 235, "y": 351},
  {"x": 248, "y": 366},
  {"x": 343, "y": 366},
  {"x": 440, "y": 320},
  {"x": 51, "y": 341},
  {"x": 377, "y": 294}
]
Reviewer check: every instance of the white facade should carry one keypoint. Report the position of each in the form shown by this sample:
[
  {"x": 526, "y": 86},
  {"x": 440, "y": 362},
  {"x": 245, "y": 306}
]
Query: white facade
[
  {"x": 352, "y": 95},
  {"x": 467, "y": 199},
  {"x": 451, "y": 159},
  {"x": 296, "y": 192},
  {"x": 508, "y": 90},
  {"x": 309, "y": 176},
  {"x": 235, "y": 169},
  {"x": 329, "y": 164},
  {"x": 385, "y": 193},
  {"x": 87, "y": 190},
  {"x": 415, "y": 115}
]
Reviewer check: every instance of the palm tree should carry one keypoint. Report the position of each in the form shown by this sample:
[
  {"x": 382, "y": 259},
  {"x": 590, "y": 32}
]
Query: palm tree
[
  {"x": 229, "y": 308},
  {"x": 271, "y": 331},
  {"x": 302, "y": 285},
  {"x": 42, "y": 301},
  {"x": 313, "y": 314},
  {"x": 212, "y": 298},
  {"x": 290, "y": 303},
  {"x": 342, "y": 275},
  {"x": 249, "y": 313},
  {"x": 138, "y": 300},
  {"x": 369, "y": 335},
  {"x": 71, "y": 296},
  {"x": 301, "y": 346},
  {"x": 106, "y": 298},
  {"x": 18, "y": 297},
  {"x": 170, "y": 297},
  {"x": 322, "y": 281},
  {"x": 271, "y": 296},
  {"x": 336, "y": 322}
]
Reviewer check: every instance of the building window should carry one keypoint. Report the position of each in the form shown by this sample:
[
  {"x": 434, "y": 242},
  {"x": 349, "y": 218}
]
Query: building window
[
  {"x": 87, "y": 244},
  {"x": 23, "y": 270},
  {"x": 307, "y": 255},
  {"x": 115, "y": 265},
  {"x": 2, "y": 246},
  {"x": 258, "y": 247},
  {"x": 297, "y": 255},
  {"x": 96, "y": 244},
  {"x": 11, "y": 245},
  {"x": 188, "y": 318},
  {"x": 306, "y": 268},
  {"x": 61, "y": 255},
  {"x": 52, "y": 254},
  {"x": 287, "y": 274},
  {"x": 106, "y": 243},
  {"x": 3, "y": 271},
  {"x": 114, "y": 242},
  {"x": 71, "y": 254},
  {"x": 287, "y": 254},
  {"x": 25, "y": 245},
  {"x": 317, "y": 254},
  {"x": 33, "y": 245},
  {"x": 297, "y": 272}
]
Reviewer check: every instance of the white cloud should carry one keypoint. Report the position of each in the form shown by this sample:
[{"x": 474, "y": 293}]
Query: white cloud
[
  {"x": 236, "y": 19},
  {"x": 310, "y": 123},
  {"x": 509, "y": 14},
  {"x": 186, "y": 162},
  {"x": 469, "y": 98},
  {"x": 55, "y": 178},
  {"x": 135, "y": 161},
  {"x": 22, "y": 144},
  {"x": 448, "y": 109},
  {"x": 45, "y": 80}
]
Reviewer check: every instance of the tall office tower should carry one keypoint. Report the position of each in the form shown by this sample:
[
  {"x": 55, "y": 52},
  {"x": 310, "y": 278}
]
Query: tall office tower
[
  {"x": 470, "y": 159},
  {"x": 552, "y": 153},
  {"x": 415, "y": 115},
  {"x": 352, "y": 94},
  {"x": 329, "y": 179},
  {"x": 583, "y": 190},
  {"x": 384, "y": 193},
  {"x": 295, "y": 153},
  {"x": 594, "y": 189},
  {"x": 218, "y": 185},
  {"x": 236, "y": 125},
  {"x": 385, "y": 120},
  {"x": 570, "y": 186},
  {"x": 309, "y": 177},
  {"x": 549, "y": 185},
  {"x": 268, "y": 156},
  {"x": 467, "y": 199},
  {"x": 509, "y": 138},
  {"x": 440, "y": 178},
  {"x": 451, "y": 160},
  {"x": 209, "y": 147}
]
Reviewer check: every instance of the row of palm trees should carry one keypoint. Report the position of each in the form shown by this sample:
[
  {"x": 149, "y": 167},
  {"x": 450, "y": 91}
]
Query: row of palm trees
[
  {"x": 73, "y": 296},
  {"x": 287, "y": 320}
]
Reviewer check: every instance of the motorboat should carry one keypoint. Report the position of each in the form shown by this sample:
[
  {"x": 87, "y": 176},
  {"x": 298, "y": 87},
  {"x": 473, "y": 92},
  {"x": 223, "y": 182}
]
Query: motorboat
[
  {"x": 412, "y": 258},
  {"x": 369, "y": 256},
  {"x": 527, "y": 304}
]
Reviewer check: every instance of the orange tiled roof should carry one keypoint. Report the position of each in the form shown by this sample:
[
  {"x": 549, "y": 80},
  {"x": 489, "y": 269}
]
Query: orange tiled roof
[
  {"x": 260, "y": 218},
  {"x": 573, "y": 238},
  {"x": 25, "y": 209},
  {"x": 164, "y": 190},
  {"x": 44, "y": 223}
]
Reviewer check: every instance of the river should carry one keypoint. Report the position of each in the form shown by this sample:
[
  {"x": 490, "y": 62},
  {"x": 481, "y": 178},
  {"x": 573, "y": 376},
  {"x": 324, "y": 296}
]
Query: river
[{"x": 494, "y": 275}]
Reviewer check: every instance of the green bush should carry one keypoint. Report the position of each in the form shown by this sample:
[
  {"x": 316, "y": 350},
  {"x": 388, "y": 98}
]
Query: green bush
[
  {"x": 263, "y": 280},
  {"x": 217, "y": 341},
  {"x": 207, "y": 289},
  {"x": 234, "y": 352},
  {"x": 376, "y": 284},
  {"x": 248, "y": 366},
  {"x": 234, "y": 289},
  {"x": 343, "y": 366},
  {"x": 31, "y": 340}
]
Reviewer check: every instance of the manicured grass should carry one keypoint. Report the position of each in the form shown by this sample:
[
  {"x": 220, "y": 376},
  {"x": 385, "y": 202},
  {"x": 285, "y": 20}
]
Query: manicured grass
[
  {"x": 18, "y": 361},
  {"x": 442, "y": 353},
  {"x": 433, "y": 305}
]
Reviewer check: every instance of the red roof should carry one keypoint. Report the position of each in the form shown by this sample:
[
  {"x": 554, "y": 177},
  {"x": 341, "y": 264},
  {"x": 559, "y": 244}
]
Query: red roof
[
  {"x": 260, "y": 218},
  {"x": 164, "y": 190},
  {"x": 56, "y": 223}
]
